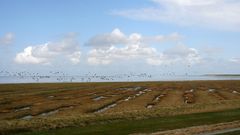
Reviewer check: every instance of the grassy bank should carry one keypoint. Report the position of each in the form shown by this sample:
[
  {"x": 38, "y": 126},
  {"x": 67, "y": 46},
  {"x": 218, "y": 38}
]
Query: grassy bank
[{"x": 147, "y": 125}]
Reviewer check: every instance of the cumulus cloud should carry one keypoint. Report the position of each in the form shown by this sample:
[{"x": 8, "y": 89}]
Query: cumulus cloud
[
  {"x": 235, "y": 60},
  {"x": 75, "y": 57},
  {"x": 218, "y": 14},
  {"x": 108, "y": 55},
  {"x": 108, "y": 39},
  {"x": 135, "y": 47},
  {"x": 182, "y": 52},
  {"x": 7, "y": 39},
  {"x": 116, "y": 37},
  {"x": 46, "y": 53},
  {"x": 27, "y": 57},
  {"x": 178, "y": 54}
]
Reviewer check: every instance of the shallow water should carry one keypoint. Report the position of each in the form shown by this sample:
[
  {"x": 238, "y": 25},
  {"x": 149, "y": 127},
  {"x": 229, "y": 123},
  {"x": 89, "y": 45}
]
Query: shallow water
[
  {"x": 23, "y": 109},
  {"x": 99, "y": 98},
  {"x": 28, "y": 117},
  {"x": 106, "y": 108},
  {"x": 49, "y": 113},
  {"x": 30, "y": 79}
]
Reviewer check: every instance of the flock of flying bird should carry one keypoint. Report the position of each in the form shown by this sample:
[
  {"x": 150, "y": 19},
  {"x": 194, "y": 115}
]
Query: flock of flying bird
[{"x": 59, "y": 76}]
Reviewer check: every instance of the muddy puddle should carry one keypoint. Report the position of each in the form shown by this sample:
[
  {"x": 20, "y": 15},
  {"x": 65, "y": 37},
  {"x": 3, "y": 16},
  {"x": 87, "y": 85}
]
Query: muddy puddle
[
  {"x": 159, "y": 97},
  {"x": 47, "y": 113},
  {"x": 99, "y": 98},
  {"x": 106, "y": 108},
  {"x": 155, "y": 100},
  {"x": 128, "y": 98},
  {"x": 27, "y": 117},
  {"x": 139, "y": 93},
  {"x": 212, "y": 90},
  {"x": 189, "y": 96},
  {"x": 235, "y": 92},
  {"x": 51, "y": 97},
  {"x": 130, "y": 88},
  {"x": 22, "y": 109},
  {"x": 149, "y": 106}
]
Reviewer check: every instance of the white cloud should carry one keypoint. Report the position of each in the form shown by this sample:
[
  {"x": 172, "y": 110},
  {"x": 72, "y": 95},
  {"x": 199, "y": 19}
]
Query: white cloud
[
  {"x": 46, "y": 53},
  {"x": 135, "y": 47},
  {"x": 27, "y": 57},
  {"x": 108, "y": 39},
  {"x": 75, "y": 57},
  {"x": 108, "y": 55},
  {"x": 7, "y": 39},
  {"x": 178, "y": 54},
  {"x": 116, "y": 37},
  {"x": 160, "y": 38},
  {"x": 218, "y": 14},
  {"x": 181, "y": 52},
  {"x": 235, "y": 60},
  {"x": 156, "y": 60},
  {"x": 211, "y": 50}
]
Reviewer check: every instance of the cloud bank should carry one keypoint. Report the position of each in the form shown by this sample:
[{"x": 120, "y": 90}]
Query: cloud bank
[
  {"x": 116, "y": 37},
  {"x": 106, "y": 49},
  {"x": 217, "y": 14}
]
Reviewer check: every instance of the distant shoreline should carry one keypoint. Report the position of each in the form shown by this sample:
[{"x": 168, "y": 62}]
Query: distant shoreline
[
  {"x": 160, "y": 81},
  {"x": 88, "y": 79},
  {"x": 222, "y": 75}
]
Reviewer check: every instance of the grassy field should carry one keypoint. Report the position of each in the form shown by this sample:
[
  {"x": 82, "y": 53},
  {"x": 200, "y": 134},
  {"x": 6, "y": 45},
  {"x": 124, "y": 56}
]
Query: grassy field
[
  {"x": 147, "y": 125},
  {"x": 31, "y": 107}
]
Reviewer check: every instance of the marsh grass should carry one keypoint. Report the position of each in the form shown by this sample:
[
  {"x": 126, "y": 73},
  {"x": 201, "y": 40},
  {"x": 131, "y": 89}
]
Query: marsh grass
[
  {"x": 147, "y": 125},
  {"x": 79, "y": 95}
]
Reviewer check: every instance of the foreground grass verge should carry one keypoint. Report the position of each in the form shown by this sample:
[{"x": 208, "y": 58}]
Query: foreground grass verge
[{"x": 146, "y": 125}]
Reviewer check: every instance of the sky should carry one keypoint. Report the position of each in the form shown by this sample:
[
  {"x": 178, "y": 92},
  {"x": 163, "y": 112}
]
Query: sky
[{"x": 113, "y": 37}]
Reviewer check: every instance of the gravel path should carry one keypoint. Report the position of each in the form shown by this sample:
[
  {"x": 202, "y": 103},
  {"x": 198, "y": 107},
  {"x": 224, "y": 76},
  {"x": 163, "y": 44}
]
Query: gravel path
[
  {"x": 222, "y": 131},
  {"x": 213, "y": 129}
]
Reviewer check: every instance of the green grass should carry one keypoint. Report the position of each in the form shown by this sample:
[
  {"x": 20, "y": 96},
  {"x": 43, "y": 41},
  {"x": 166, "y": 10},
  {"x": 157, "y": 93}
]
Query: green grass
[{"x": 146, "y": 125}]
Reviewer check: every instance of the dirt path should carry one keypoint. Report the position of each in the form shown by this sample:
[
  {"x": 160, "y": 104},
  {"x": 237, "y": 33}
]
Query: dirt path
[
  {"x": 222, "y": 131},
  {"x": 202, "y": 130}
]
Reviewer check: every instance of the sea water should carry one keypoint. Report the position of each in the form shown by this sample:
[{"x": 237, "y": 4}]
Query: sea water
[{"x": 55, "y": 79}]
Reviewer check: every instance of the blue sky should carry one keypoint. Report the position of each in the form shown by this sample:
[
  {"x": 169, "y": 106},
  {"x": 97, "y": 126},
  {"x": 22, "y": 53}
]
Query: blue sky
[{"x": 153, "y": 36}]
